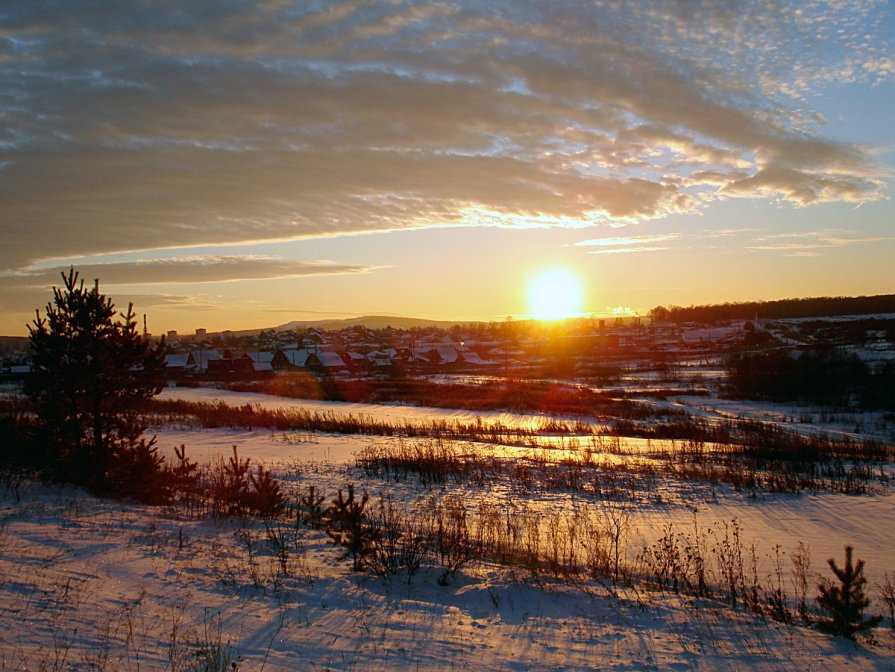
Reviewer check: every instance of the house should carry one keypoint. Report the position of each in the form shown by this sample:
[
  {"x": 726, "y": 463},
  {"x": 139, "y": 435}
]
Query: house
[
  {"x": 198, "y": 359},
  {"x": 262, "y": 357},
  {"x": 473, "y": 358},
  {"x": 261, "y": 361},
  {"x": 231, "y": 366},
  {"x": 354, "y": 360},
  {"x": 176, "y": 363},
  {"x": 439, "y": 355},
  {"x": 291, "y": 358},
  {"x": 332, "y": 362}
]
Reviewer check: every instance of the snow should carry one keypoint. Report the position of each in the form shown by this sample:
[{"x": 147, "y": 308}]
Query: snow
[
  {"x": 89, "y": 584},
  {"x": 396, "y": 414},
  {"x": 87, "y": 581}
]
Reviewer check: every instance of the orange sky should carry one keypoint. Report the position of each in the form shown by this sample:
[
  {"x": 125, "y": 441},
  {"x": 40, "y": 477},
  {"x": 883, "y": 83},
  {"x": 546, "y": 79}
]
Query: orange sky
[{"x": 230, "y": 166}]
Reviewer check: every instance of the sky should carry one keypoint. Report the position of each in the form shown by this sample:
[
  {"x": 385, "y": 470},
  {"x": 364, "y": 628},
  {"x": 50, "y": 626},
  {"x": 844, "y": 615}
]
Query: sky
[{"x": 226, "y": 164}]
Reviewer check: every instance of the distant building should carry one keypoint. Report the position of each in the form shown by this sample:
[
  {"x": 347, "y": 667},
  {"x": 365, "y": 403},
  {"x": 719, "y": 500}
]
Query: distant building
[
  {"x": 201, "y": 333},
  {"x": 198, "y": 359},
  {"x": 176, "y": 363},
  {"x": 172, "y": 336}
]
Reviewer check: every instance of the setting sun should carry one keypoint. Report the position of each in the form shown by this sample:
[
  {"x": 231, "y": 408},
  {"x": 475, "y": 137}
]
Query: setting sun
[{"x": 554, "y": 294}]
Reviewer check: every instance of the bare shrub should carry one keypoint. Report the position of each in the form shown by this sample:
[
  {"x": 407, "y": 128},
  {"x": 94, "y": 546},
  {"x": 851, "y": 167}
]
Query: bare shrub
[
  {"x": 665, "y": 561},
  {"x": 597, "y": 554},
  {"x": 212, "y": 652},
  {"x": 801, "y": 570},
  {"x": 886, "y": 591},
  {"x": 282, "y": 538},
  {"x": 615, "y": 521},
  {"x": 401, "y": 541},
  {"x": 728, "y": 551},
  {"x": 778, "y": 607},
  {"x": 454, "y": 543}
]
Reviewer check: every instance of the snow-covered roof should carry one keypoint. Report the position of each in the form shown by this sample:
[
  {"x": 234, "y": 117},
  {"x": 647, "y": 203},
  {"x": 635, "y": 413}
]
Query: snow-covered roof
[
  {"x": 297, "y": 357},
  {"x": 200, "y": 358},
  {"x": 472, "y": 357},
  {"x": 331, "y": 360},
  {"x": 176, "y": 360}
]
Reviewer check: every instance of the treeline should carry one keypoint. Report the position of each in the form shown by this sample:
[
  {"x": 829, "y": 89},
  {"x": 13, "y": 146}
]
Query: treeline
[
  {"x": 827, "y": 376},
  {"x": 777, "y": 310}
]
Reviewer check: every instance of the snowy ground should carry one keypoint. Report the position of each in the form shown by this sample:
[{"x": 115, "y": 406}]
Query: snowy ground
[
  {"x": 87, "y": 584},
  {"x": 393, "y": 413},
  {"x": 826, "y": 522}
]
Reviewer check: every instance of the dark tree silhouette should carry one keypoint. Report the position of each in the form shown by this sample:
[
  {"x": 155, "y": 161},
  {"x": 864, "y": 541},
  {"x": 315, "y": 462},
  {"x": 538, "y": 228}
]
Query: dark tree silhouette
[
  {"x": 844, "y": 604},
  {"x": 91, "y": 369}
]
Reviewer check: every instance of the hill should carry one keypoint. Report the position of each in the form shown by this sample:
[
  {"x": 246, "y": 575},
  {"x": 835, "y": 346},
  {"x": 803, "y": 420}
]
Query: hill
[{"x": 370, "y": 322}]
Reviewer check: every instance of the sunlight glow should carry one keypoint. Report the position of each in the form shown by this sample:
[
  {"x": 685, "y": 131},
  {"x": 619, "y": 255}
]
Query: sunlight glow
[{"x": 555, "y": 294}]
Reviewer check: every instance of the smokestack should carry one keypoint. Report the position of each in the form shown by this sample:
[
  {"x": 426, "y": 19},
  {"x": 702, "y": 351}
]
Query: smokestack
[{"x": 145, "y": 330}]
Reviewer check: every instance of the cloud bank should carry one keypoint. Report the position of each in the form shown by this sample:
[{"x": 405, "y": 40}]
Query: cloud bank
[
  {"x": 24, "y": 289},
  {"x": 198, "y": 269},
  {"x": 139, "y": 126}
]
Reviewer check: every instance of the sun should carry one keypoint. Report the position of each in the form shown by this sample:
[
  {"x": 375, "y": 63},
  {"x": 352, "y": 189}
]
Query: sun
[{"x": 554, "y": 294}]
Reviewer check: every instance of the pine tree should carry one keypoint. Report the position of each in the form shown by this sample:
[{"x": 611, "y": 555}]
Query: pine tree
[
  {"x": 846, "y": 602},
  {"x": 347, "y": 525},
  {"x": 91, "y": 369}
]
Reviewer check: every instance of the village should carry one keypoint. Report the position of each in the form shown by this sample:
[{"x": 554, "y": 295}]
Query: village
[{"x": 577, "y": 348}]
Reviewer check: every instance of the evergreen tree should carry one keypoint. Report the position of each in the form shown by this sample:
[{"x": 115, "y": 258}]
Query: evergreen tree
[
  {"x": 90, "y": 372},
  {"x": 347, "y": 525},
  {"x": 846, "y": 602}
]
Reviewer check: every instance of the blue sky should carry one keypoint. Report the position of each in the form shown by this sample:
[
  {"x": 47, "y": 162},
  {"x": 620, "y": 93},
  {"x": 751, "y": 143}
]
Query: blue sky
[{"x": 235, "y": 164}]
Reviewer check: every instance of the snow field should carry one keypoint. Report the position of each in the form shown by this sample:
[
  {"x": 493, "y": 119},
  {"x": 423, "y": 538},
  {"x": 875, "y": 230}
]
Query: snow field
[{"x": 87, "y": 584}]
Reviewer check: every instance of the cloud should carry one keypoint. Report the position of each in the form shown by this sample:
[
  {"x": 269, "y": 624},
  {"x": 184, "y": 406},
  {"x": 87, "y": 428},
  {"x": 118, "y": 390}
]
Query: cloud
[
  {"x": 627, "y": 250},
  {"x": 807, "y": 243},
  {"x": 24, "y": 290},
  {"x": 628, "y": 244},
  {"x": 628, "y": 240},
  {"x": 130, "y": 127},
  {"x": 199, "y": 269},
  {"x": 804, "y": 187}
]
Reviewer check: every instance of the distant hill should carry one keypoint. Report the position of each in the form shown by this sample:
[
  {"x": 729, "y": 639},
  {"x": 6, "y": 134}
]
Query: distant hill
[
  {"x": 778, "y": 310},
  {"x": 370, "y": 322}
]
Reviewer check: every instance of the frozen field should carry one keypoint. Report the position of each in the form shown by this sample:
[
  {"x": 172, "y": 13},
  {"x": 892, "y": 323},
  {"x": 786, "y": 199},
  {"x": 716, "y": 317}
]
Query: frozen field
[{"x": 88, "y": 584}]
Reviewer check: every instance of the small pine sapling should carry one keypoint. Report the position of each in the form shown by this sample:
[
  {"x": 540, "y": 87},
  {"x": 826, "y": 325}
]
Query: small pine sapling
[
  {"x": 266, "y": 499},
  {"x": 235, "y": 493},
  {"x": 346, "y": 524},
  {"x": 136, "y": 470},
  {"x": 184, "y": 476},
  {"x": 310, "y": 508},
  {"x": 844, "y": 604}
]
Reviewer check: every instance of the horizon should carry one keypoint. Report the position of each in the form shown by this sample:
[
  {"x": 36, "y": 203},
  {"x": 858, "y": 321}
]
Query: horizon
[
  {"x": 229, "y": 167},
  {"x": 329, "y": 323}
]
